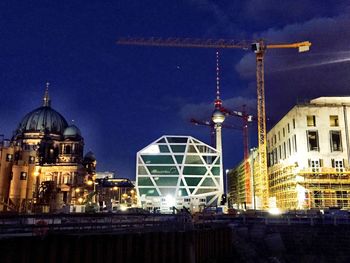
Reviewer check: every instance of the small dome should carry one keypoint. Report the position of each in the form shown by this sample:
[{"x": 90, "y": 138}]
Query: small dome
[
  {"x": 72, "y": 131},
  {"x": 90, "y": 156},
  {"x": 218, "y": 117}
]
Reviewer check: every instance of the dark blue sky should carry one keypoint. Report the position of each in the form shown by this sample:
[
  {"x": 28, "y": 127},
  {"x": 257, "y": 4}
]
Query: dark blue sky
[{"x": 124, "y": 97}]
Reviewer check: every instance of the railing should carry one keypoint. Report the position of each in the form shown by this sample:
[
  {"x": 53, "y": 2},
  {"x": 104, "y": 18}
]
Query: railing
[
  {"x": 43, "y": 224},
  {"x": 275, "y": 220},
  {"x": 85, "y": 223}
]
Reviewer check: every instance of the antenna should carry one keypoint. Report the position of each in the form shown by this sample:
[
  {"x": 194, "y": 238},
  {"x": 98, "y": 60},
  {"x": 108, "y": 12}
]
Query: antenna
[{"x": 217, "y": 102}]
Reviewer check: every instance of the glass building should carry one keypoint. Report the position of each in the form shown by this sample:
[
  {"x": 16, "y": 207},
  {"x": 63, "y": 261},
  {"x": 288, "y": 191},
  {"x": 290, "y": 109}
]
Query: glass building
[{"x": 178, "y": 171}]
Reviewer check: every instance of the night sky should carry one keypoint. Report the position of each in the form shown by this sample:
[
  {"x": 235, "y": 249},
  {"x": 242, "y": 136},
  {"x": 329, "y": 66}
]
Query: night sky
[{"x": 124, "y": 97}]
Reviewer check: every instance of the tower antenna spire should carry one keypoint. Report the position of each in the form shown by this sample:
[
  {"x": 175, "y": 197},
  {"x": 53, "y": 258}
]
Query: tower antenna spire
[
  {"x": 46, "y": 99},
  {"x": 218, "y": 101}
]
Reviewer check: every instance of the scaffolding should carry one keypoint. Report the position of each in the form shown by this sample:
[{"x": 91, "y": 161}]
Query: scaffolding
[
  {"x": 309, "y": 188},
  {"x": 238, "y": 196},
  {"x": 293, "y": 188}
]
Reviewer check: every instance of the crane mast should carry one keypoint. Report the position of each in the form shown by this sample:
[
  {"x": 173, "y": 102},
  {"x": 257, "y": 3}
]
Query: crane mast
[
  {"x": 246, "y": 118},
  {"x": 263, "y": 190},
  {"x": 259, "y": 47}
]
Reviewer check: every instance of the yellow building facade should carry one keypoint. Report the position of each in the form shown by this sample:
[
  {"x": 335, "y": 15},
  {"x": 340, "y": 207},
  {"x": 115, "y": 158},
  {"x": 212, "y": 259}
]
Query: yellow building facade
[{"x": 308, "y": 158}]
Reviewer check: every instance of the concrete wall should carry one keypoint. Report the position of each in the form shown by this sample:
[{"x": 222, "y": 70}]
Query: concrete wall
[
  {"x": 297, "y": 243},
  {"x": 206, "y": 245}
]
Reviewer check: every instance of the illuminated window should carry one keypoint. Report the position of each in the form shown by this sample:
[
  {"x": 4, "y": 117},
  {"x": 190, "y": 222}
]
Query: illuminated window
[
  {"x": 157, "y": 159},
  {"x": 335, "y": 141},
  {"x": 165, "y": 181},
  {"x": 194, "y": 170},
  {"x": 145, "y": 181},
  {"x": 148, "y": 191},
  {"x": 312, "y": 138},
  {"x": 275, "y": 160},
  {"x": 333, "y": 121},
  {"x": 311, "y": 120},
  {"x": 193, "y": 159},
  {"x": 23, "y": 176},
  {"x": 315, "y": 165},
  {"x": 9, "y": 157},
  {"x": 65, "y": 179},
  {"x": 31, "y": 159},
  {"x": 166, "y": 170},
  {"x": 338, "y": 165}
]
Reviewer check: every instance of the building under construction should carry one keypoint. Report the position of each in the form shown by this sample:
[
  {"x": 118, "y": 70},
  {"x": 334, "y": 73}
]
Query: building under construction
[{"x": 308, "y": 159}]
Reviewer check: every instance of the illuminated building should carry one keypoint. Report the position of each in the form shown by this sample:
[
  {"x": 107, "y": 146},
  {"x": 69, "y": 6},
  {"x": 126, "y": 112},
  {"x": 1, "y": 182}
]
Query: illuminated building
[
  {"x": 178, "y": 171},
  {"x": 115, "y": 193},
  {"x": 42, "y": 166},
  {"x": 308, "y": 157}
]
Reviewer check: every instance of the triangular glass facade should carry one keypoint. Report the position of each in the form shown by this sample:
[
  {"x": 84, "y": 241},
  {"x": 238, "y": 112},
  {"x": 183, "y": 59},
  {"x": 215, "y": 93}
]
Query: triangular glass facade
[{"x": 178, "y": 168}]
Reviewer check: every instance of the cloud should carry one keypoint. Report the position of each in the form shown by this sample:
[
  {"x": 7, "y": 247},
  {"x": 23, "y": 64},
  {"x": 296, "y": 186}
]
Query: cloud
[
  {"x": 329, "y": 37},
  {"x": 203, "y": 111},
  {"x": 291, "y": 77},
  {"x": 288, "y": 11}
]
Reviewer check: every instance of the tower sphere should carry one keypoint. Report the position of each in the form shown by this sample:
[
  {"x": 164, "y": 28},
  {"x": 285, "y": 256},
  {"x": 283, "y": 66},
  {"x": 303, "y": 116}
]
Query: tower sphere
[{"x": 218, "y": 117}]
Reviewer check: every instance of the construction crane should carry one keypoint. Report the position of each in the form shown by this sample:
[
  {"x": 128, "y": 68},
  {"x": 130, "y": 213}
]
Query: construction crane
[
  {"x": 211, "y": 124},
  {"x": 259, "y": 48},
  {"x": 246, "y": 118}
]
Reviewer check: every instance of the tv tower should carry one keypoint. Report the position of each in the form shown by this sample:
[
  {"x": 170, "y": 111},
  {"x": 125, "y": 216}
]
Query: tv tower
[{"x": 218, "y": 118}]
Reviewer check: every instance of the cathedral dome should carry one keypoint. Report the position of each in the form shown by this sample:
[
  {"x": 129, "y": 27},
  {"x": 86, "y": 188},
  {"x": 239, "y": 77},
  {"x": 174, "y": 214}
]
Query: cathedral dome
[
  {"x": 72, "y": 131},
  {"x": 43, "y": 119}
]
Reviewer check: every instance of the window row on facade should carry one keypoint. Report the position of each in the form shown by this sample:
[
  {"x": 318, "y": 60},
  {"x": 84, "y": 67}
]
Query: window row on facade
[
  {"x": 277, "y": 137},
  {"x": 285, "y": 149},
  {"x": 312, "y": 122}
]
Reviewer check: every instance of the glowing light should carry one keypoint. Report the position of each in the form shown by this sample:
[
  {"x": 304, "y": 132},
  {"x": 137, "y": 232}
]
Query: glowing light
[
  {"x": 170, "y": 200},
  {"x": 77, "y": 190},
  {"x": 123, "y": 208},
  {"x": 80, "y": 200},
  {"x": 275, "y": 211},
  {"x": 300, "y": 195},
  {"x": 89, "y": 182}
]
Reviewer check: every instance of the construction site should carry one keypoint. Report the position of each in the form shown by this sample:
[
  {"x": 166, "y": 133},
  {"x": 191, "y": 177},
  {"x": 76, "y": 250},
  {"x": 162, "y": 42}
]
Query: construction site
[{"x": 308, "y": 160}]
